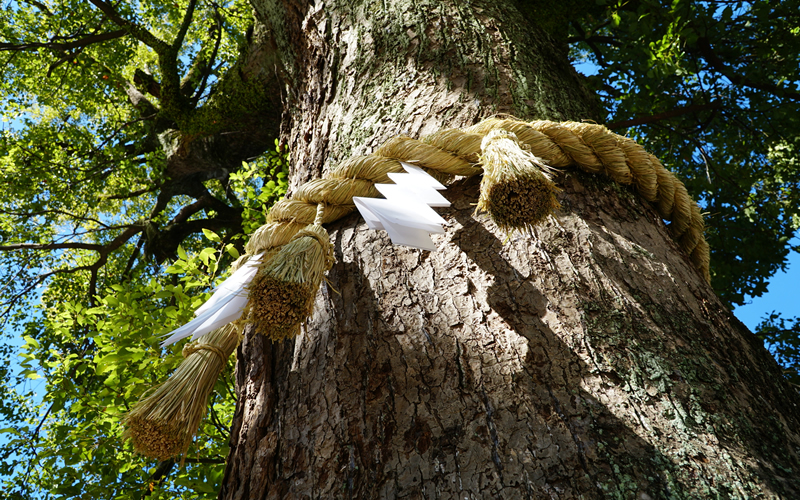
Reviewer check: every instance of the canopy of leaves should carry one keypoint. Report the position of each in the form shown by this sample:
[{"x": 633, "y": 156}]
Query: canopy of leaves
[
  {"x": 713, "y": 89},
  {"x": 122, "y": 205}
]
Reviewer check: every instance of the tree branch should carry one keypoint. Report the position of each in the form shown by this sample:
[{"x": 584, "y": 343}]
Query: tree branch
[
  {"x": 32, "y": 445},
  {"x": 187, "y": 20},
  {"x": 134, "y": 255},
  {"x": 642, "y": 120},
  {"x": 40, "y": 6},
  {"x": 203, "y": 65},
  {"x": 161, "y": 472},
  {"x": 51, "y": 246},
  {"x": 736, "y": 77},
  {"x": 173, "y": 104},
  {"x": 39, "y": 279},
  {"x": 132, "y": 194},
  {"x": 204, "y": 460},
  {"x": 134, "y": 29},
  {"x": 53, "y": 211},
  {"x": 215, "y": 420},
  {"x": 148, "y": 83},
  {"x": 598, "y": 54},
  {"x": 122, "y": 238},
  {"x": 610, "y": 40},
  {"x": 81, "y": 43}
]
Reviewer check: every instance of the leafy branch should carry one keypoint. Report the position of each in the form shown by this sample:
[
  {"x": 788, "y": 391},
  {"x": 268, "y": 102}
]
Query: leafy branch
[
  {"x": 65, "y": 46},
  {"x": 737, "y": 76}
]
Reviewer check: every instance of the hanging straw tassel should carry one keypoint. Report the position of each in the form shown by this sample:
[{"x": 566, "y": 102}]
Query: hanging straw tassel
[
  {"x": 516, "y": 188},
  {"x": 162, "y": 424},
  {"x": 282, "y": 293}
]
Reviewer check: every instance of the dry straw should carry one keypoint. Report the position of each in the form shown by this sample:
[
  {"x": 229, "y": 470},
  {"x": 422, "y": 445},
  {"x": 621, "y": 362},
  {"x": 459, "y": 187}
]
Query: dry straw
[
  {"x": 282, "y": 293},
  {"x": 516, "y": 188},
  {"x": 162, "y": 424}
]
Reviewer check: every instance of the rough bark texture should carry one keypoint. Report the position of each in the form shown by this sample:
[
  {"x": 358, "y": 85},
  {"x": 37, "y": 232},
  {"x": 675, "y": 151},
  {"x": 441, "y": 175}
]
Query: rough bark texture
[{"x": 587, "y": 359}]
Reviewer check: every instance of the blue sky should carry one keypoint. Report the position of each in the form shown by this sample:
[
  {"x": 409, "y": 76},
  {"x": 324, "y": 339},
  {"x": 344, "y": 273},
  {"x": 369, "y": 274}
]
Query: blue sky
[{"x": 781, "y": 296}]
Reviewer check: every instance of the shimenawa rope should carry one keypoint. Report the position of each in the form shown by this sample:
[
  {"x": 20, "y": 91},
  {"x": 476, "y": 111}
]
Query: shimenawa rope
[{"x": 296, "y": 250}]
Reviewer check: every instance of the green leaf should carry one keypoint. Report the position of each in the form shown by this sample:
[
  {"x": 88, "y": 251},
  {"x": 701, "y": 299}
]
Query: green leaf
[
  {"x": 211, "y": 235},
  {"x": 31, "y": 374},
  {"x": 207, "y": 254},
  {"x": 30, "y": 341}
]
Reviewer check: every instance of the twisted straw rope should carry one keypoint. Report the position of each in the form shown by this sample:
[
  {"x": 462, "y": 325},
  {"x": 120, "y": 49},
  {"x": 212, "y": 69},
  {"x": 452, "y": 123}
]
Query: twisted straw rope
[
  {"x": 163, "y": 423},
  {"x": 592, "y": 148}
]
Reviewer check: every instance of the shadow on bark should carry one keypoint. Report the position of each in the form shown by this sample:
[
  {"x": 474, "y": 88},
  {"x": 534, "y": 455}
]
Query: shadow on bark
[
  {"x": 607, "y": 449},
  {"x": 390, "y": 394},
  {"x": 551, "y": 382}
]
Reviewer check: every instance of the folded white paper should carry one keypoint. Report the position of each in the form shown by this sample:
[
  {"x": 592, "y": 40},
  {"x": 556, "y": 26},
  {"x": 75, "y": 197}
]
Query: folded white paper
[
  {"x": 420, "y": 176},
  {"x": 426, "y": 195},
  {"x": 224, "y": 306},
  {"x": 406, "y": 213}
]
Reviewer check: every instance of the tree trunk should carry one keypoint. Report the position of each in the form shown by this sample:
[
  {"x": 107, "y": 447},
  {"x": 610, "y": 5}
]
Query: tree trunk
[{"x": 587, "y": 359}]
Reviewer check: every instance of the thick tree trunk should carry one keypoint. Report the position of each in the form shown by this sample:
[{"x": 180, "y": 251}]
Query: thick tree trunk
[{"x": 587, "y": 359}]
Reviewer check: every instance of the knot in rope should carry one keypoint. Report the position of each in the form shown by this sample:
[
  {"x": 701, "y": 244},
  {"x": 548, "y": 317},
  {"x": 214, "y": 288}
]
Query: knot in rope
[{"x": 194, "y": 347}]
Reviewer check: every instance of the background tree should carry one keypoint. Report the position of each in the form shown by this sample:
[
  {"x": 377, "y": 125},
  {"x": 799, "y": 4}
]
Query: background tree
[
  {"x": 714, "y": 88},
  {"x": 127, "y": 129},
  {"x": 111, "y": 189}
]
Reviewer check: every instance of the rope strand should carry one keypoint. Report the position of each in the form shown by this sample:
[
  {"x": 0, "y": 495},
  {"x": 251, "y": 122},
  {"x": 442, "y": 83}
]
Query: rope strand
[{"x": 592, "y": 148}]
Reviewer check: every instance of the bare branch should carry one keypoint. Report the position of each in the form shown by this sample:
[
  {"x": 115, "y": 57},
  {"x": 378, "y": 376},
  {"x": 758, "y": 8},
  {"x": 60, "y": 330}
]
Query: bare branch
[
  {"x": 51, "y": 246},
  {"x": 187, "y": 20},
  {"x": 203, "y": 65},
  {"x": 138, "y": 100},
  {"x": 53, "y": 211},
  {"x": 610, "y": 40},
  {"x": 122, "y": 238},
  {"x": 132, "y": 194},
  {"x": 217, "y": 423},
  {"x": 147, "y": 82},
  {"x": 204, "y": 460}
]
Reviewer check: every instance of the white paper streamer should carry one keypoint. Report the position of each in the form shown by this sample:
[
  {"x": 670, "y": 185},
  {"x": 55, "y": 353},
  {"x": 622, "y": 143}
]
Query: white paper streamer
[
  {"x": 224, "y": 306},
  {"x": 406, "y": 213}
]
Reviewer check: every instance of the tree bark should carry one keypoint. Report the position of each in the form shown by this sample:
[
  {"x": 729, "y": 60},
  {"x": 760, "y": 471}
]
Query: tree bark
[{"x": 585, "y": 359}]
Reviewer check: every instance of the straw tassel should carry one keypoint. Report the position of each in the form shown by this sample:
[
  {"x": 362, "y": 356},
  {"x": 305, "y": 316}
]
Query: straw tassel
[
  {"x": 162, "y": 424},
  {"x": 516, "y": 188},
  {"x": 282, "y": 292}
]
